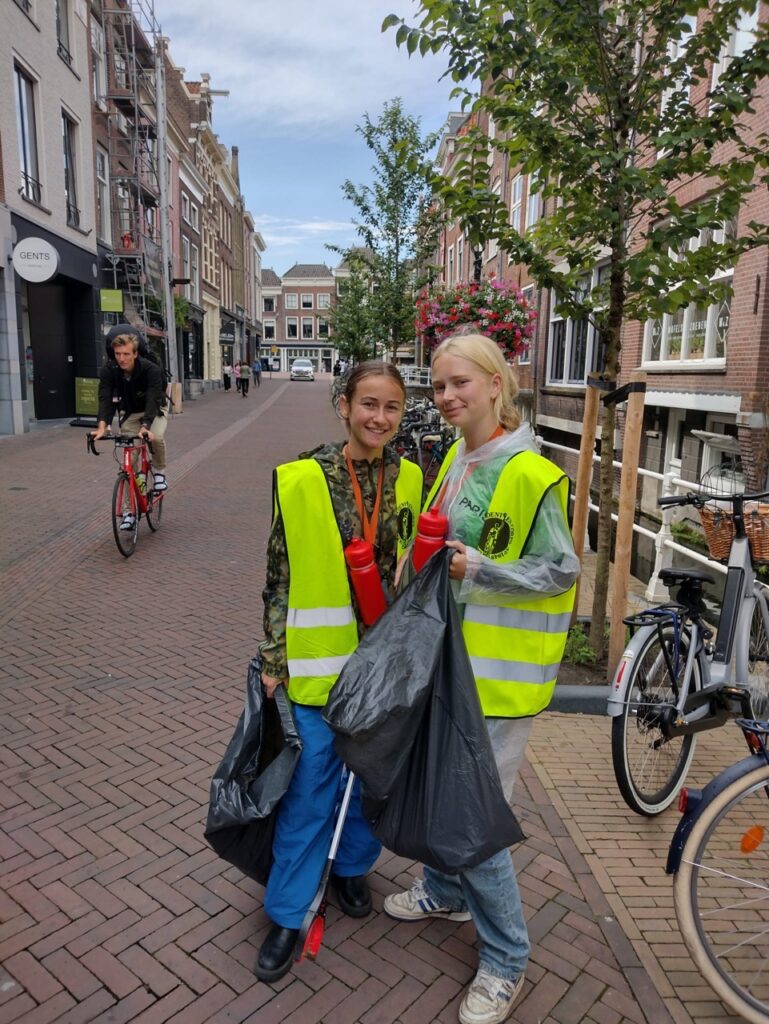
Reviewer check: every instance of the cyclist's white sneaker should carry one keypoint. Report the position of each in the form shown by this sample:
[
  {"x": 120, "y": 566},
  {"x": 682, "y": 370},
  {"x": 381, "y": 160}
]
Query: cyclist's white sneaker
[
  {"x": 416, "y": 904},
  {"x": 160, "y": 482},
  {"x": 128, "y": 521},
  {"x": 489, "y": 999}
]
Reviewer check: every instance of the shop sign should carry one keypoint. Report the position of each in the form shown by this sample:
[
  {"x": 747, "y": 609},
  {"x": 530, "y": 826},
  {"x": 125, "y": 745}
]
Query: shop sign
[
  {"x": 111, "y": 300},
  {"x": 86, "y": 396},
  {"x": 35, "y": 260}
]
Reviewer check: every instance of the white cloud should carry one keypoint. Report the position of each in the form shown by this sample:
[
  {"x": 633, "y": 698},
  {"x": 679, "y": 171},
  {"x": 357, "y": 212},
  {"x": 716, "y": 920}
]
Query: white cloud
[
  {"x": 304, "y": 235},
  {"x": 310, "y": 65}
]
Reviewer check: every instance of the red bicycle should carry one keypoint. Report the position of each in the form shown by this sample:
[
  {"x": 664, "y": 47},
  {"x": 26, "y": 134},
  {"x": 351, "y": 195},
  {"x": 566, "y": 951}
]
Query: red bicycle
[{"x": 134, "y": 494}]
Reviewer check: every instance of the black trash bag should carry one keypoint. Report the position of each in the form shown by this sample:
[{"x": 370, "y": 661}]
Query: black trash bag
[
  {"x": 254, "y": 774},
  {"x": 408, "y": 722}
]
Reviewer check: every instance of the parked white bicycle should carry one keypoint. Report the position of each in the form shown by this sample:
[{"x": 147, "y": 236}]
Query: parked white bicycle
[{"x": 674, "y": 679}]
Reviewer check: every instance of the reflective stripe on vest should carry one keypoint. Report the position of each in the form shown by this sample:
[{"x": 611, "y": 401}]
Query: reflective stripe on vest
[
  {"x": 321, "y": 629},
  {"x": 515, "y": 648}
]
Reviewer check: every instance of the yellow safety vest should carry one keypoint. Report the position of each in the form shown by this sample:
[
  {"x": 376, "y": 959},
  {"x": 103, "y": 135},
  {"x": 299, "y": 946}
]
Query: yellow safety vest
[
  {"x": 516, "y": 646},
  {"x": 321, "y": 630}
]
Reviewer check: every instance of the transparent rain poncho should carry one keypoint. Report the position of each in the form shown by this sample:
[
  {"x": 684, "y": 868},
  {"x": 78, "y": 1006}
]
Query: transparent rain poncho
[{"x": 548, "y": 565}]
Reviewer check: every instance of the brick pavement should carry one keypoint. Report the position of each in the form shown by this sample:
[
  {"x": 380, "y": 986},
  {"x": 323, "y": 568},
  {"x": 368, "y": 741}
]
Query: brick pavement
[{"x": 121, "y": 683}]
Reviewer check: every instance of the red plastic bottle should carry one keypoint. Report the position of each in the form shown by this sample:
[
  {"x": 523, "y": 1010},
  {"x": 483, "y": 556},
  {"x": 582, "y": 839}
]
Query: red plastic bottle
[
  {"x": 432, "y": 530},
  {"x": 365, "y": 579}
]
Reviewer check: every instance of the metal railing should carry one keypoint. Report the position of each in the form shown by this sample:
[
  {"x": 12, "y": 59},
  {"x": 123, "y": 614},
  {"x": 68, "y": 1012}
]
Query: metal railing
[{"x": 664, "y": 541}]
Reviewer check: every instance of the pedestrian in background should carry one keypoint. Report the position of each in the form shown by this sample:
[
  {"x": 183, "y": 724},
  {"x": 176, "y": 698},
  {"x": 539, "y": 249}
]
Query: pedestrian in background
[
  {"x": 245, "y": 378},
  {"x": 327, "y": 497},
  {"x": 515, "y": 570},
  {"x": 236, "y": 375},
  {"x": 258, "y": 372},
  {"x": 227, "y": 375}
]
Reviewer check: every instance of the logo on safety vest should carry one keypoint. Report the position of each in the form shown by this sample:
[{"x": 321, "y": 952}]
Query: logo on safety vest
[
  {"x": 496, "y": 535},
  {"x": 405, "y": 523}
]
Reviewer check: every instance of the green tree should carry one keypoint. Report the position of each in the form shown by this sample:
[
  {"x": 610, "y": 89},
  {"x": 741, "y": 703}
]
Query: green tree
[
  {"x": 395, "y": 221},
  {"x": 350, "y": 319},
  {"x": 612, "y": 107}
]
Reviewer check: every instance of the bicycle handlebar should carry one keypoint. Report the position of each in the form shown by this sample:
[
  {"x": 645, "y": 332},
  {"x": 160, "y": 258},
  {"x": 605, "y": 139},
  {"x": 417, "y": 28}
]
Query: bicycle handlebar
[
  {"x": 90, "y": 441},
  {"x": 699, "y": 500}
]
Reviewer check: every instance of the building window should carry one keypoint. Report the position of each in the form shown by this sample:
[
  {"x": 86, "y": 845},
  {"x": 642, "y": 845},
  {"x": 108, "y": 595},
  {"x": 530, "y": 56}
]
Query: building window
[
  {"x": 742, "y": 37},
  {"x": 185, "y": 208},
  {"x": 576, "y": 347},
  {"x": 694, "y": 333},
  {"x": 530, "y": 296},
  {"x": 322, "y": 327},
  {"x": 69, "y": 128},
  {"x": 307, "y": 328},
  {"x": 306, "y": 301},
  {"x": 194, "y": 274},
  {"x": 516, "y": 203},
  {"x": 292, "y": 301},
  {"x": 27, "y": 126},
  {"x": 194, "y": 217},
  {"x": 324, "y": 301},
  {"x": 98, "y": 56},
  {"x": 62, "y": 31},
  {"x": 292, "y": 327},
  {"x": 269, "y": 330},
  {"x": 460, "y": 259},
  {"x": 268, "y": 304},
  {"x": 450, "y": 267},
  {"x": 103, "y": 214},
  {"x": 533, "y": 201},
  {"x": 493, "y": 245},
  {"x": 676, "y": 51},
  {"x": 186, "y": 264}
]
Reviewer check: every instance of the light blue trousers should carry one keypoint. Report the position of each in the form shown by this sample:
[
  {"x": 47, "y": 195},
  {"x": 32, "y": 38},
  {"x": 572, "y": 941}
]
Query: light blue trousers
[{"x": 305, "y": 824}]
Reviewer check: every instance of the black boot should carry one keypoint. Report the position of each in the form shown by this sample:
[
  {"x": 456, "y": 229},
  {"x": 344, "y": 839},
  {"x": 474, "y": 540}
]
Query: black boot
[
  {"x": 276, "y": 954},
  {"x": 353, "y": 894}
]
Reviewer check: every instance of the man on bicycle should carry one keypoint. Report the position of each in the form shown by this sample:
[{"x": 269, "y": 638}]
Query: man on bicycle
[{"x": 133, "y": 386}]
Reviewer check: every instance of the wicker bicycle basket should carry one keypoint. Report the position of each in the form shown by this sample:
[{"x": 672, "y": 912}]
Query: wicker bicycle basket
[{"x": 718, "y": 524}]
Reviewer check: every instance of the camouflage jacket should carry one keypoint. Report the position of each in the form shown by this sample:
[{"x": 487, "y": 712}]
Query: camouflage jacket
[{"x": 275, "y": 594}]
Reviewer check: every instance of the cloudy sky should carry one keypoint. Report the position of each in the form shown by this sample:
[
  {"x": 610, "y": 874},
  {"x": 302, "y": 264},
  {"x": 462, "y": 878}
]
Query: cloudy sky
[{"x": 301, "y": 74}]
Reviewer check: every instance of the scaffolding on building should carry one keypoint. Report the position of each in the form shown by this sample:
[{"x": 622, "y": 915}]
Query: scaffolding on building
[{"x": 140, "y": 260}]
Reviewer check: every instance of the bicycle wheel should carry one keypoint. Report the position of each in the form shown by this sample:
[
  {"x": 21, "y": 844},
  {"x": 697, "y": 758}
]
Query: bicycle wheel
[
  {"x": 721, "y": 894},
  {"x": 155, "y": 503},
  {"x": 758, "y": 664},
  {"x": 124, "y": 504},
  {"x": 650, "y": 768}
]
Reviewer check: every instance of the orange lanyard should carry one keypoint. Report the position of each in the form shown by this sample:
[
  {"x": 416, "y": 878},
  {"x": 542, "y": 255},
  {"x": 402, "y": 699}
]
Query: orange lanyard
[
  {"x": 368, "y": 525},
  {"x": 437, "y": 503}
]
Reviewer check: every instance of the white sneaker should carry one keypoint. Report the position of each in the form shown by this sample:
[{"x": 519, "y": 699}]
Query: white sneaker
[
  {"x": 128, "y": 521},
  {"x": 489, "y": 999},
  {"x": 160, "y": 482},
  {"x": 417, "y": 904}
]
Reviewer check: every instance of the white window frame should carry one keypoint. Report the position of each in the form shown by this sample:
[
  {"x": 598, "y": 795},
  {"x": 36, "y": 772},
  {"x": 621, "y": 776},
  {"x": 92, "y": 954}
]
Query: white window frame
[
  {"x": 308, "y": 321},
  {"x": 265, "y": 300},
  {"x": 533, "y": 201},
  {"x": 306, "y": 300},
  {"x": 450, "y": 266},
  {"x": 686, "y": 318},
  {"x": 460, "y": 259},
  {"x": 322, "y": 327},
  {"x": 572, "y": 326},
  {"x": 525, "y": 357},
  {"x": 26, "y": 98},
  {"x": 103, "y": 206},
  {"x": 675, "y": 50},
  {"x": 186, "y": 208},
  {"x": 493, "y": 243},
  {"x": 194, "y": 274},
  {"x": 269, "y": 330},
  {"x": 186, "y": 264},
  {"x": 324, "y": 300},
  {"x": 516, "y": 205},
  {"x": 292, "y": 300},
  {"x": 294, "y": 322},
  {"x": 742, "y": 37},
  {"x": 99, "y": 59},
  {"x": 70, "y": 132},
  {"x": 194, "y": 216}
]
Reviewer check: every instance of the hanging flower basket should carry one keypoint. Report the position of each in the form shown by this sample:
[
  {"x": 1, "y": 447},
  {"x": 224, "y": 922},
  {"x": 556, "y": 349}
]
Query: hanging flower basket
[{"x": 498, "y": 310}]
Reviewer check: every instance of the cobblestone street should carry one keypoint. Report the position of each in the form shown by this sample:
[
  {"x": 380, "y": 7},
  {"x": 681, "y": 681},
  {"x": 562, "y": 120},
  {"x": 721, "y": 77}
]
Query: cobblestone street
[{"x": 122, "y": 681}]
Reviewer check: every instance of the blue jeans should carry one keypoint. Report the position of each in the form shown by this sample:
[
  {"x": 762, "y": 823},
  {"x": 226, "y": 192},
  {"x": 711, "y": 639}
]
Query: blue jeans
[
  {"x": 305, "y": 822},
  {"x": 490, "y": 890}
]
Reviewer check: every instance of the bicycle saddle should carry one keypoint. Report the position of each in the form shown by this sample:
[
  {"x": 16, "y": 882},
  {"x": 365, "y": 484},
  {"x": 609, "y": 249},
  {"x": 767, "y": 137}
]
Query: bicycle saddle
[{"x": 672, "y": 575}]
